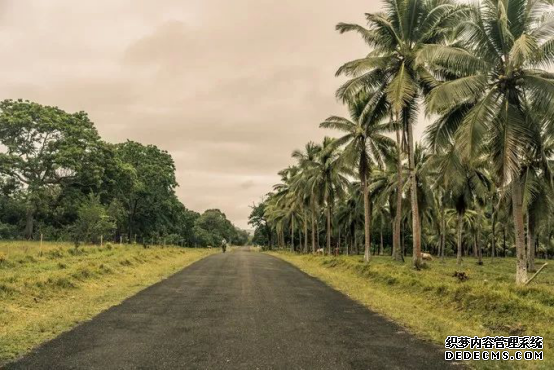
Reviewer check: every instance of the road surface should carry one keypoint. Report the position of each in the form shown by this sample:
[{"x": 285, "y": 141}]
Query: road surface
[{"x": 238, "y": 310}]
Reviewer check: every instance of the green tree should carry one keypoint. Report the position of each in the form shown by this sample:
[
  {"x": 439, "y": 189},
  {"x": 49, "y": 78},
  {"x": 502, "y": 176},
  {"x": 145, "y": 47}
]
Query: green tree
[
  {"x": 258, "y": 220},
  {"x": 149, "y": 187},
  {"x": 93, "y": 221},
  {"x": 497, "y": 82},
  {"x": 306, "y": 160},
  {"x": 327, "y": 179},
  {"x": 212, "y": 227},
  {"x": 365, "y": 144},
  {"x": 45, "y": 147},
  {"x": 396, "y": 37}
]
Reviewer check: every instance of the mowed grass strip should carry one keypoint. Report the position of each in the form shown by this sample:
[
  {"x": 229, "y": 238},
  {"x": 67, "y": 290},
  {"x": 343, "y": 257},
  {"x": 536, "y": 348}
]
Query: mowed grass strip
[
  {"x": 434, "y": 304},
  {"x": 46, "y": 291}
]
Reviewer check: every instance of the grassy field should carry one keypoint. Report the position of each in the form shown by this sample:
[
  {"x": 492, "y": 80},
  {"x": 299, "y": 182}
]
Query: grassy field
[
  {"x": 45, "y": 291},
  {"x": 433, "y": 304}
]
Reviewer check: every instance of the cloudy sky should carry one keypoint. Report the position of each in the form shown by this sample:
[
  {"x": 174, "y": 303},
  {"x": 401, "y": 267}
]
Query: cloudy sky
[{"x": 229, "y": 87}]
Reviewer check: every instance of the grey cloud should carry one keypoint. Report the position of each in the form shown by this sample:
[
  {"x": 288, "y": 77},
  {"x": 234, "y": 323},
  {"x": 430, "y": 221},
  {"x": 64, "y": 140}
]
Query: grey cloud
[{"x": 229, "y": 88}]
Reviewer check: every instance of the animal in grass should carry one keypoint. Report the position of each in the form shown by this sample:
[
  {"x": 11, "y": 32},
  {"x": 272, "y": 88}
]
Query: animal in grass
[
  {"x": 319, "y": 251},
  {"x": 426, "y": 257}
]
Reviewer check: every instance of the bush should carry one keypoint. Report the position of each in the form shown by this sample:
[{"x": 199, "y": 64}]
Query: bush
[{"x": 92, "y": 221}]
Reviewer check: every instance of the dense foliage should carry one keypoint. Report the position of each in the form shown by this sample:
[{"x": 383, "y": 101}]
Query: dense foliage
[
  {"x": 479, "y": 183},
  {"x": 58, "y": 179}
]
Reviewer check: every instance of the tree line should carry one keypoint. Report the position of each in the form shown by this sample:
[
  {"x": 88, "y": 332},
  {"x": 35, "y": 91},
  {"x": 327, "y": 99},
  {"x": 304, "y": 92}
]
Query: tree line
[
  {"x": 60, "y": 181},
  {"x": 479, "y": 183}
]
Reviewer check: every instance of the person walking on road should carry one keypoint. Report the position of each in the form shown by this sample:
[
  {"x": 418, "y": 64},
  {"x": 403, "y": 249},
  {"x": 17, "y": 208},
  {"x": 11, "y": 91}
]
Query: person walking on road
[{"x": 224, "y": 245}]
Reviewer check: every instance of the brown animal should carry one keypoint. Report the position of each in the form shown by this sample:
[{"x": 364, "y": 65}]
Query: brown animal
[{"x": 426, "y": 257}]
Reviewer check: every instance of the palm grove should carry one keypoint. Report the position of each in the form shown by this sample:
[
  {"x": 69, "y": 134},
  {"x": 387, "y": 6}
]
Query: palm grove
[
  {"x": 479, "y": 183},
  {"x": 60, "y": 181}
]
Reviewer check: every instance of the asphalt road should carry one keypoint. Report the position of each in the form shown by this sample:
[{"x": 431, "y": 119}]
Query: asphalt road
[{"x": 238, "y": 310}]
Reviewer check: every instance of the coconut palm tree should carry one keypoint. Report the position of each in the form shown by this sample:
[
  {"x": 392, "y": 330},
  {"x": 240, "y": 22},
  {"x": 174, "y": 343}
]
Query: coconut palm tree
[
  {"x": 388, "y": 187},
  {"x": 364, "y": 143},
  {"x": 306, "y": 160},
  {"x": 396, "y": 37},
  {"x": 327, "y": 179},
  {"x": 499, "y": 84},
  {"x": 350, "y": 214},
  {"x": 465, "y": 181}
]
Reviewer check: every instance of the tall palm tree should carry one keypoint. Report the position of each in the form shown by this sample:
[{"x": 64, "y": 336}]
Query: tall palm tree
[
  {"x": 306, "y": 160},
  {"x": 396, "y": 37},
  {"x": 499, "y": 85},
  {"x": 388, "y": 186},
  {"x": 466, "y": 182},
  {"x": 364, "y": 143},
  {"x": 327, "y": 179},
  {"x": 350, "y": 214}
]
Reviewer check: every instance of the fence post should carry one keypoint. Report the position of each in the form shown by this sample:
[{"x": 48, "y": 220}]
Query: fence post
[
  {"x": 120, "y": 239},
  {"x": 101, "y": 240},
  {"x": 135, "y": 239},
  {"x": 40, "y": 244}
]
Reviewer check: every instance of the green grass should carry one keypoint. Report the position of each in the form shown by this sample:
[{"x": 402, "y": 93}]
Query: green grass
[
  {"x": 433, "y": 304},
  {"x": 46, "y": 291}
]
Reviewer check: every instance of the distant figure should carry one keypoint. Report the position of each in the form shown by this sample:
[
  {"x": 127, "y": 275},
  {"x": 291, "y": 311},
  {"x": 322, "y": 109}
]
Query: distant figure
[{"x": 224, "y": 245}]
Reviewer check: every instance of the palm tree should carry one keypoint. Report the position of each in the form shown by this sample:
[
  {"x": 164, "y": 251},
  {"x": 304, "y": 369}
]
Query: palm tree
[
  {"x": 499, "y": 86},
  {"x": 465, "y": 181},
  {"x": 306, "y": 160},
  {"x": 396, "y": 37},
  {"x": 327, "y": 179},
  {"x": 364, "y": 143},
  {"x": 350, "y": 214},
  {"x": 388, "y": 186}
]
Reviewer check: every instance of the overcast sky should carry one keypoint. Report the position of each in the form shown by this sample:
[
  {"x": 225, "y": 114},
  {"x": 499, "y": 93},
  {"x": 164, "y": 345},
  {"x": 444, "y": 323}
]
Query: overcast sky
[{"x": 229, "y": 87}]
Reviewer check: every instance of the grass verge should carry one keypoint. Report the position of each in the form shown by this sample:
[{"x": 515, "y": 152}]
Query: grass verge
[
  {"x": 46, "y": 291},
  {"x": 433, "y": 304}
]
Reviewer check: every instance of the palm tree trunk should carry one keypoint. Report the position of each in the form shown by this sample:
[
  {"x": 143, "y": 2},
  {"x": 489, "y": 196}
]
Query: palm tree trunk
[
  {"x": 329, "y": 229},
  {"x": 493, "y": 241},
  {"x": 460, "y": 226},
  {"x": 403, "y": 243},
  {"x": 416, "y": 222},
  {"x": 396, "y": 249},
  {"x": 306, "y": 234},
  {"x": 443, "y": 232},
  {"x": 367, "y": 227},
  {"x": 29, "y": 220},
  {"x": 504, "y": 242},
  {"x": 292, "y": 234},
  {"x": 313, "y": 230},
  {"x": 381, "y": 247},
  {"x": 317, "y": 233},
  {"x": 475, "y": 252},
  {"x": 517, "y": 211},
  {"x": 338, "y": 243},
  {"x": 353, "y": 236},
  {"x": 531, "y": 242}
]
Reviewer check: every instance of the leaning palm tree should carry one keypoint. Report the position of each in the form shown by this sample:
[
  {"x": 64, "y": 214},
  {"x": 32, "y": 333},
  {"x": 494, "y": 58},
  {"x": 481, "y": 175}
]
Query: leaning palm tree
[
  {"x": 499, "y": 87},
  {"x": 396, "y": 37},
  {"x": 364, "y": 143}
]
